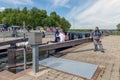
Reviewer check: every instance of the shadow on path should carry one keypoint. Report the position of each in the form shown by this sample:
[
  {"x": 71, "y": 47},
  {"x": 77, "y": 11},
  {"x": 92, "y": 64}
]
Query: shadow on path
[{"x": 80, "y": 51}]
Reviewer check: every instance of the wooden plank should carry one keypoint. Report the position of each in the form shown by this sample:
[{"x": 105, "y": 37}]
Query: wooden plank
[
  {"x": 115, "y": 72},
  {"x": 18, "y": 65},
  {"x": 11, "y": 56},
  {"x": 6, "y": 75},
  {"x": 107, "y": 74},
  {"x": 13, "y": 41},
  {"x": 63, "y": 44},
  {"x": 3, "y": 53}
]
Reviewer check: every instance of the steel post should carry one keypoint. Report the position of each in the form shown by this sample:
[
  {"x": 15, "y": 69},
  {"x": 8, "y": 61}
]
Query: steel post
[{"x": 35, "y": 54}]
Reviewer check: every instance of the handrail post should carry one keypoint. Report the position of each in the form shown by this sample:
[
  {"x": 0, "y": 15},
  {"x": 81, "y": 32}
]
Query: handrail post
[
  {"x": 35, "y": 38},
  {"x": 24, "y": 53},
  {"x": 25, "y": 59},
  {"x": 35, "y": 54}
]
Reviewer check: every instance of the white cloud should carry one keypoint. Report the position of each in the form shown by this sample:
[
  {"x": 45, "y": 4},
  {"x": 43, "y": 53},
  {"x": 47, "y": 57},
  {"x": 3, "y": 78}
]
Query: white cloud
[
  {"x": 103, "y": 13},
  {"x": 2, "y": 9},
  {"x": 77, "y": 9},
  {"x": 61, "y": 3},
  {"x": 18, "y": 2}
]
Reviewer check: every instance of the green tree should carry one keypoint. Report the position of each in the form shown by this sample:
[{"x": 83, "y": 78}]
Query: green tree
[
  {"x": 33, "y": 18},
  {"x": 25, "y": 10},
  {"x": 65, "y": 25},
  {"x": 56, "y": 19},
  {"x": 118, "y": 27}
]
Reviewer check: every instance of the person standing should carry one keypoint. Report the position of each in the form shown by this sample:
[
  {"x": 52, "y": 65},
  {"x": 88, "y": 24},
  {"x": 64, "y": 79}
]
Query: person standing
[
  {"x": 61, "y": 39},
  {"x": 97, "y": 37},
  {"x": 66, "y": 36},
  {"x": 61, "y": 35},
  {"x": 57, "y": 38}
]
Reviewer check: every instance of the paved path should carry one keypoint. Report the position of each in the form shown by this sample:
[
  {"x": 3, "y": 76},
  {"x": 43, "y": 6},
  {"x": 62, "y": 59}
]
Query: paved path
[{"x": 110, "y": 62}]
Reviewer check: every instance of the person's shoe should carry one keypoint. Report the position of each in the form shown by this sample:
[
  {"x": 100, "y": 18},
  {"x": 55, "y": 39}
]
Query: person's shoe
[
  {"x": 103, "y": 51},
  {"x": 95, "y": 50}
]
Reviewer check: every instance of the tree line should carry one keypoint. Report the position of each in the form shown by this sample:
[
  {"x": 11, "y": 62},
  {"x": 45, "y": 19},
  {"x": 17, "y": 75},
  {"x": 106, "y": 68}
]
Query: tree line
[
  {"x": 32, "y": 18},
  {"x": 118, "y": 27}
]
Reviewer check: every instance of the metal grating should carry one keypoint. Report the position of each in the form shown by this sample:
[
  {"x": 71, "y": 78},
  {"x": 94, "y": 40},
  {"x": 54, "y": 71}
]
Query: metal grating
[{"x": 81, "y": 69}]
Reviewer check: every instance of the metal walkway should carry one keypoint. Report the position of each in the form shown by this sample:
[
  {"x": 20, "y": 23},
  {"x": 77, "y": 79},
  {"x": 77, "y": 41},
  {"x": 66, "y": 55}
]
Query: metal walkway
[{"x": 81, "y": 69}]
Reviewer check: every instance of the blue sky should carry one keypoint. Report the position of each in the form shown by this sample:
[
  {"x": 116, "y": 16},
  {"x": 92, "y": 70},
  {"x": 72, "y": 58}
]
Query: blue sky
[{"x": 82, "y": 14}]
